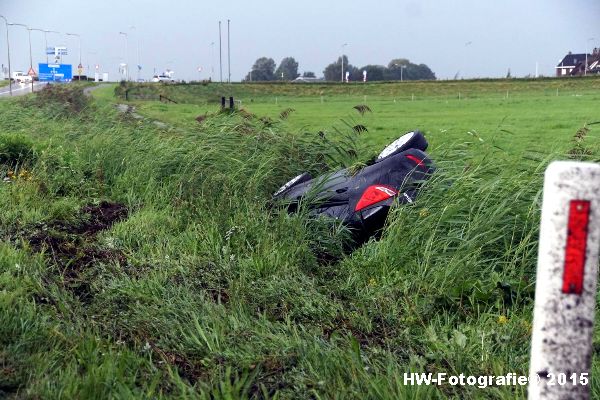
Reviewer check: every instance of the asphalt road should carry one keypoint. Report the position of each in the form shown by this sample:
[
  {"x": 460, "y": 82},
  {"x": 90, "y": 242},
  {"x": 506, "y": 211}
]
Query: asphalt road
[{"x": 20, "y": 90}]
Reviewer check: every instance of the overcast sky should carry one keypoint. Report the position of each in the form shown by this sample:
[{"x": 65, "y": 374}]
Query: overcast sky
[{"x": 468, "y": 38}]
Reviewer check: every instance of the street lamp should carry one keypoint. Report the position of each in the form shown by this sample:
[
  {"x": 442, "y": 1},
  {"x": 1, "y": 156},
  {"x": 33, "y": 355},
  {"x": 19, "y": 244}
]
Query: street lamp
[
  {"x": 586, "y": 56},
  {"x": 79, "y": 67},
  {"x": 344, "y": 45},
  {"x": 138, "y": 66},
  {"x": 30, "y": 56},
  {"x": 95, "y": 58},
  {"x": 45, "y": 39},
  {"x": 8, "y": 54},
  {"x": 212, "y": 60},
  {"x": 401, "y": 69},
  {"x": 126, "y": 54},
  {"x": 228, "y": 54}
]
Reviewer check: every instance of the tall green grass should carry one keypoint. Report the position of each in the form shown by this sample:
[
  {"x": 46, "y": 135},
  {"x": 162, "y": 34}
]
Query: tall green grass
[{"x": 223, "y": 295}]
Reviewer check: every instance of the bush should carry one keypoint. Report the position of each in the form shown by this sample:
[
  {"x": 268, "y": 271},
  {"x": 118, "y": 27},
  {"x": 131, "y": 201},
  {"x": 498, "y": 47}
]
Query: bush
[
  {"x": 15, "y": 149},
  {"x": 121, "y": 89},
  {"x": 65, "y": 100}
]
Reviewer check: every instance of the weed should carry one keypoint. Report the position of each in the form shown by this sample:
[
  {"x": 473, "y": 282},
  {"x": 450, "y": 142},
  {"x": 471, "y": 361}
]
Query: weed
[{"x": 16, "y": 149}]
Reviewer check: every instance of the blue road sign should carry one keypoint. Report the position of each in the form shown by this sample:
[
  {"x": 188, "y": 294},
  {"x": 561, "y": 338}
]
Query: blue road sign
[{"x": 55, "y": 72}]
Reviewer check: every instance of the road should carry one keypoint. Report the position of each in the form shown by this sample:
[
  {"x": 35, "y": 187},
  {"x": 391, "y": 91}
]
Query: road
[{"x": 20, "y": 90}]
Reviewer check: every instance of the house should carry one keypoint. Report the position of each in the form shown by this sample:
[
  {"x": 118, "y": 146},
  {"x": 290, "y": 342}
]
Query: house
[
  {"x": 579, "y": 64},
  {"x": 594, "y": 62},
  {"x": 303, "y": 79}
]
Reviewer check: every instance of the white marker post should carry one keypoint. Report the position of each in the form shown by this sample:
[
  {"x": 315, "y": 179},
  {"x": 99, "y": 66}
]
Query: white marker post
[{"x": 565, "y": 293}]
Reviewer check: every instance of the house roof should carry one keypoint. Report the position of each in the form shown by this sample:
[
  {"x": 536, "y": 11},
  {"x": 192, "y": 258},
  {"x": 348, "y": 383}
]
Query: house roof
[{"x": 571, "y": 60}]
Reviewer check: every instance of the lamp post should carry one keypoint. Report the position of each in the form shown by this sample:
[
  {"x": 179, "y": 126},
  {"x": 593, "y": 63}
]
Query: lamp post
[
  {"x": 45, "y": 39},
  {"x": 126, "y": 54},
  {"x": 79, "y": 67},
  {"x": 344, "y": 45},
  {"x": 137, "y": 51},
  {"x": 401, "y": 68},
  {"x": 212, "y": 60},
  {"x": 228, "y": 54},
  {"x": 220, "y": 56},
  {"x": 586, "y": 56},
  {"x": 8, "y": 54},
  {"x": 30, "y": 56},
  {"x": 95, "y": 58}
]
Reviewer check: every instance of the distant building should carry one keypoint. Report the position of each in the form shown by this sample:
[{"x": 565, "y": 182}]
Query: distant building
[
  {"x": 579, "y": 64},
  {"x": 302, "y": 79}
]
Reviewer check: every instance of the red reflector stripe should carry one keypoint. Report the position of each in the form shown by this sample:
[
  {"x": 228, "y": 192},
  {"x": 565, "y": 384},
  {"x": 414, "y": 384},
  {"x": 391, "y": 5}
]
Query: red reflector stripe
[
  {"x": 577, "y": 232},
  {"x": 417, "y": 160},
  {"x": 374, "y": 194}
]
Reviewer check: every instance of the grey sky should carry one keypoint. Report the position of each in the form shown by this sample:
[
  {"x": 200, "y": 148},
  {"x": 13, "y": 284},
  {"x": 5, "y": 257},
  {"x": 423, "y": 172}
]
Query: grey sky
[{"x": 474, "y": 38}]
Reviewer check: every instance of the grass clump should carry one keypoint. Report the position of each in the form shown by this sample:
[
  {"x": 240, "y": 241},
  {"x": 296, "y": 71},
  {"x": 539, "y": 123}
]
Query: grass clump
[
  {"x": 16, "y": 149},
  {"x": 62, "y": 100}
]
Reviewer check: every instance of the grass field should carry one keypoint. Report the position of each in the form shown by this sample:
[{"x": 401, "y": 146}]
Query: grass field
[
  {"x": 145, "y": 261},
  {"x": 515, "y": 115}
]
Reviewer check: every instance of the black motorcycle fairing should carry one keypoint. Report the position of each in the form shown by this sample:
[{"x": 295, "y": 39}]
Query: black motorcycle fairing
[
  {"x": 361, "y": 201},
  {"x": 303, "y": 177},
  {"x": 401, "y": 171},
  {"x": 410, "y": 140}
]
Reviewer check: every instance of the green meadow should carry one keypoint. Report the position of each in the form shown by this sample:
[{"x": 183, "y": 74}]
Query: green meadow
[
  {"x": 141, "y": 257},
  {"x": 516, "y": 115}
]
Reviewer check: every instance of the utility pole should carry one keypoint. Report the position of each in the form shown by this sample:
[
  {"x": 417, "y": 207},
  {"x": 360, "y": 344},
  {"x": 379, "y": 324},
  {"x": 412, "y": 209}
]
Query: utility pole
[
  {"x": 228, "y": 55},
  {"x": 137, "y": 50},
  {"x": 344, "y": 45},
  {"x": 8, "y": 54},
  {"x": 79, "y": 66},
  {"x": 212, "y": 60},
  {"x": 220, "y": 56}
]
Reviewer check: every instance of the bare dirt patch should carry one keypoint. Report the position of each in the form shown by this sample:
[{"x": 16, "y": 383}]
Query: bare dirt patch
[{"x": 73, "y": 247}]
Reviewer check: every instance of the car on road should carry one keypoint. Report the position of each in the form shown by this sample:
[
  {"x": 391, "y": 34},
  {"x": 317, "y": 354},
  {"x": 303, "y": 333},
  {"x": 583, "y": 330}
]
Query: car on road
[
  {"x": 162, "y": 78},
  {"x": 20, "y": 77}
]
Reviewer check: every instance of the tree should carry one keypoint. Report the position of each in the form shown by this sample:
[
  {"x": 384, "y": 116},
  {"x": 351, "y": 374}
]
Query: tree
[
  {"x": 333, "y": 72},
  {"x": 374, "y": 72},
  {"x": 308, "y": 74},
  {"x": 402, "y": 68},
  {"x": 262, "y": 70},
  {"x": 289, "y": 68}
]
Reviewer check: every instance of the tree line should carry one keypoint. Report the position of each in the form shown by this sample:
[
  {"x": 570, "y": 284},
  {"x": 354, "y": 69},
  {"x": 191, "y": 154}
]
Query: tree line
[{"x": 265, "y": 69}]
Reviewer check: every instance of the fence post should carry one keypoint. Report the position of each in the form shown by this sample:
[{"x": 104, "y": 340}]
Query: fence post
[
  {"x": 231, "y": 104},
  {"x": 565, "y": 293}
]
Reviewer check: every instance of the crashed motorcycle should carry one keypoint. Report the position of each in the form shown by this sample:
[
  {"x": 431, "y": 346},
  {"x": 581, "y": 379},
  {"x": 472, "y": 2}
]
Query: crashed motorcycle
[{"x": 361, "y": 200}]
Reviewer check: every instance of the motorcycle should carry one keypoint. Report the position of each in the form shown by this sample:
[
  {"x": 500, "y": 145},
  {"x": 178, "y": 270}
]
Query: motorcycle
[{"x": 362, "y": 200}]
